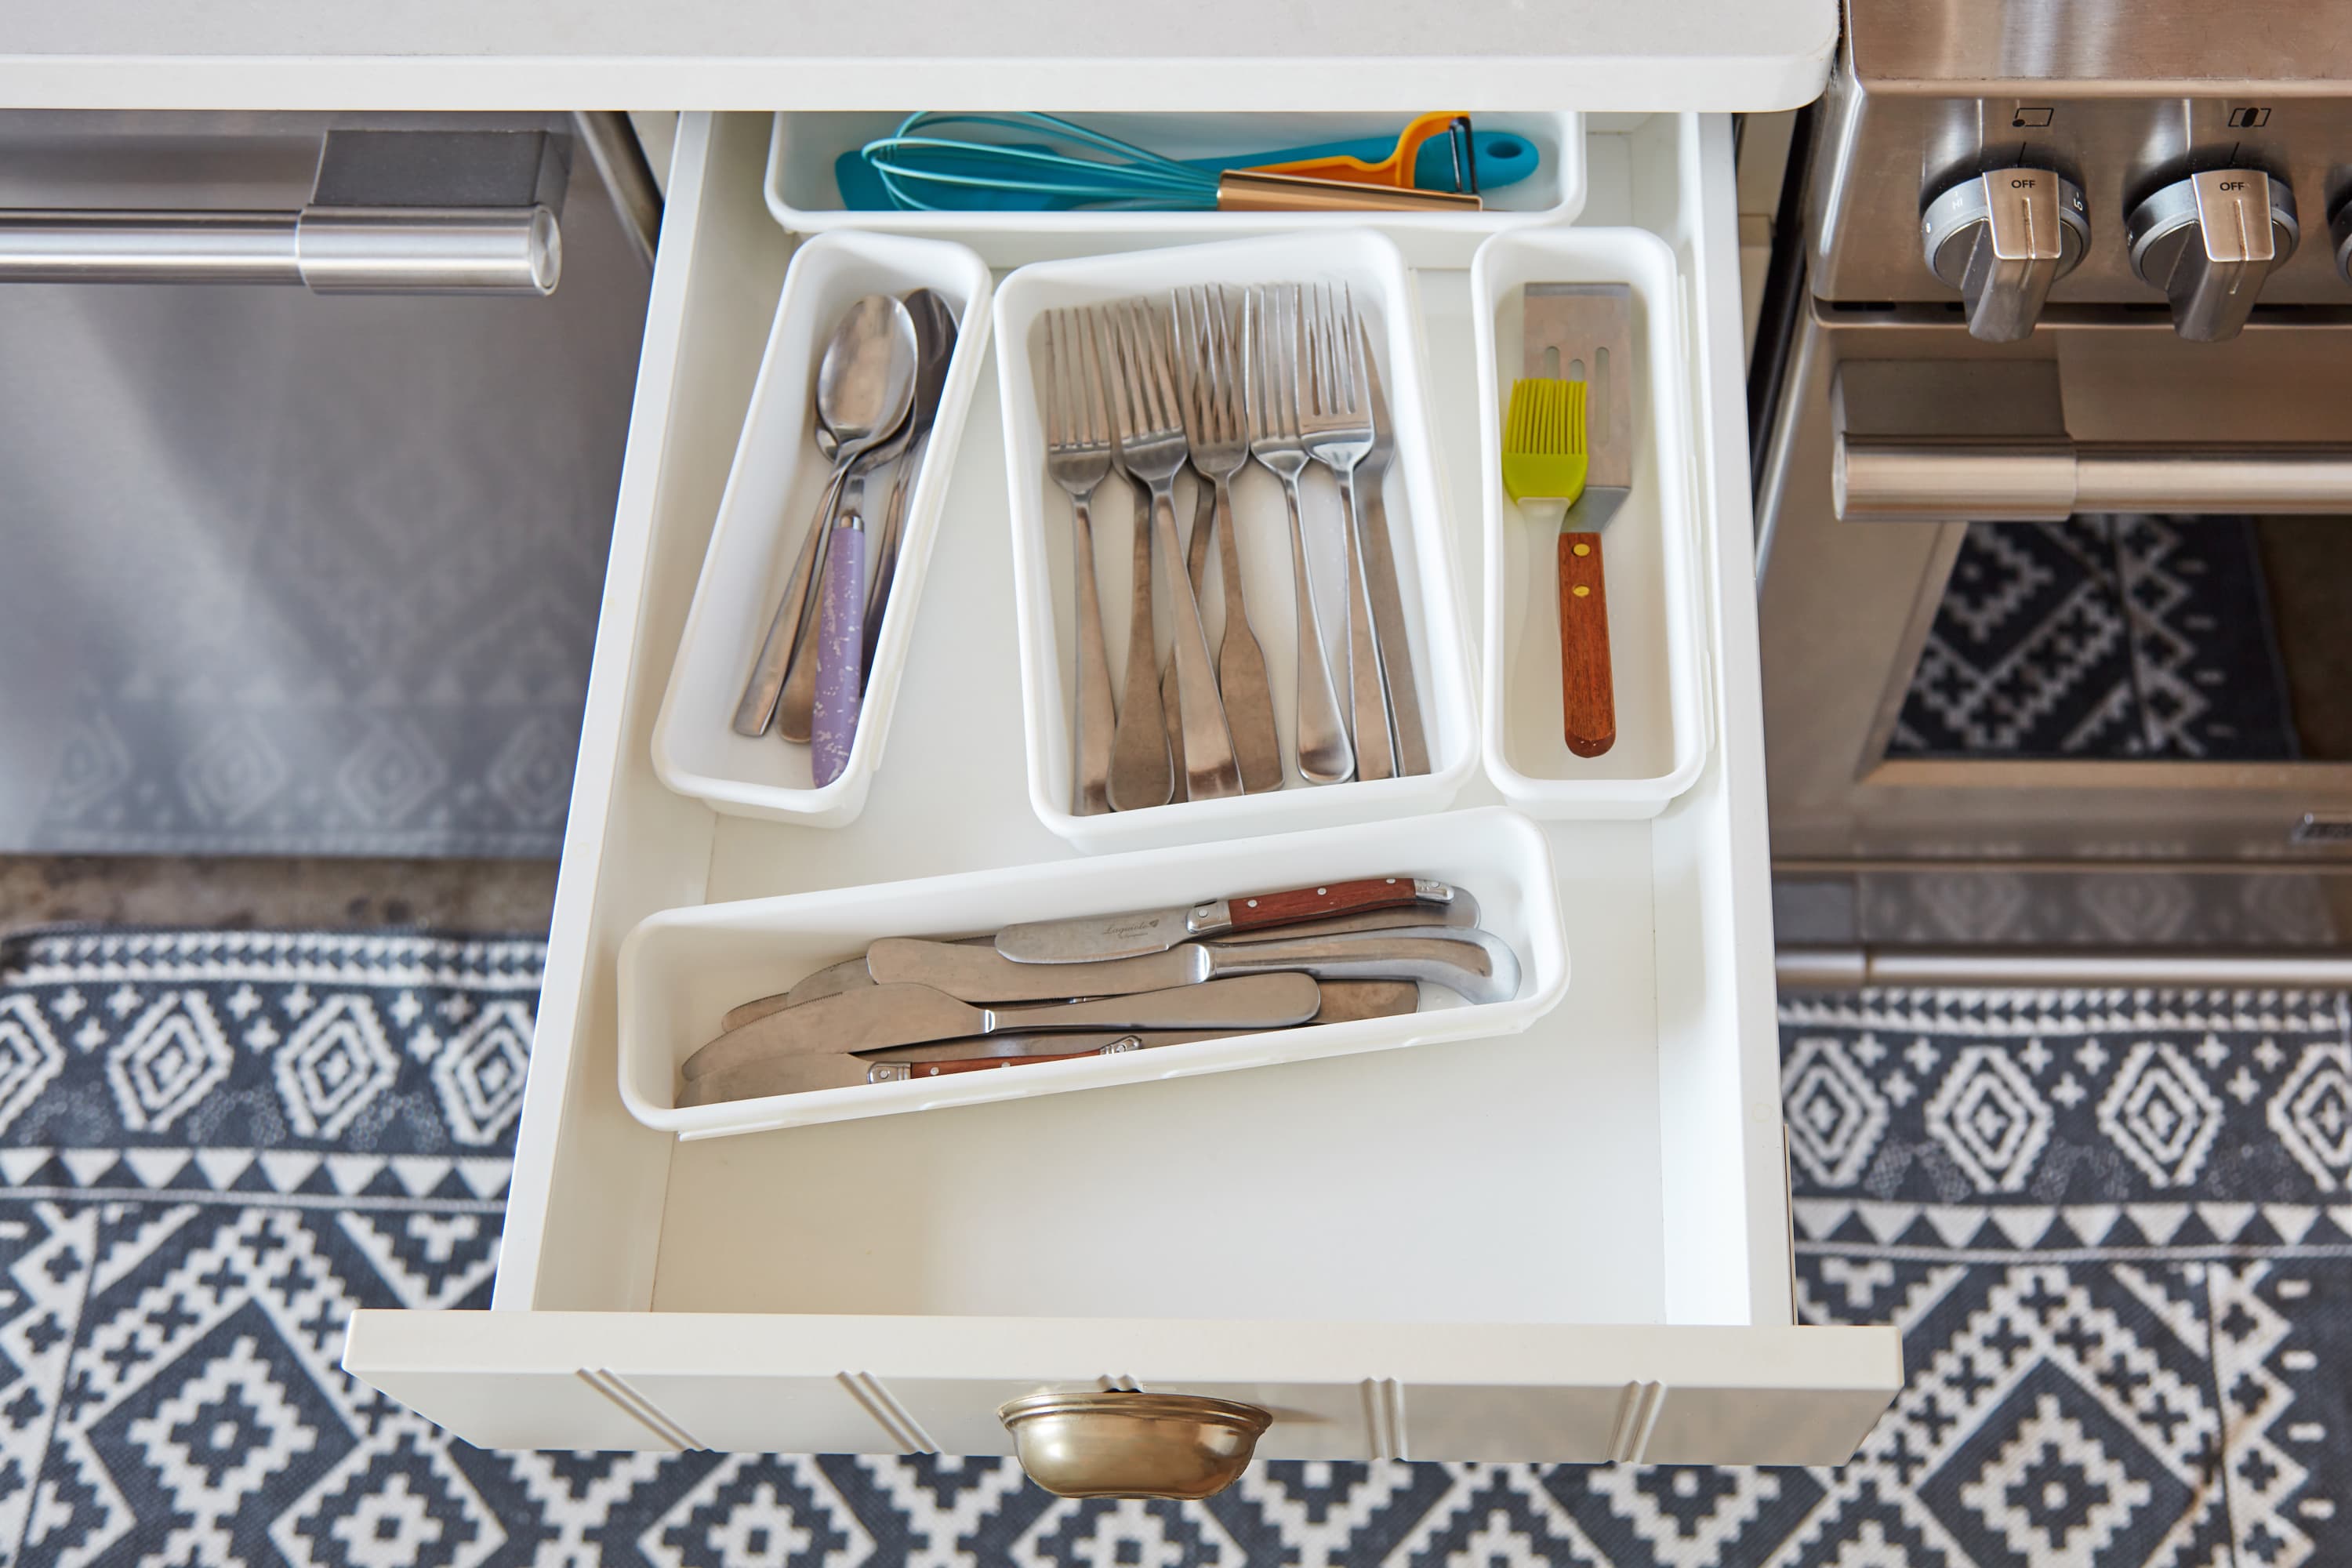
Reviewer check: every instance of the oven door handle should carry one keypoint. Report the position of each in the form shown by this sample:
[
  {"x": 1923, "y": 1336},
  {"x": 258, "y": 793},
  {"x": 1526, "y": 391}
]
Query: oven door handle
[
  {"x": 1887, "y": 479},
  {"x": 332, "y": 250}
]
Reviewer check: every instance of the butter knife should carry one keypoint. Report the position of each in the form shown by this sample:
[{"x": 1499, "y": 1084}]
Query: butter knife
[
  {"x": 908, "y": 1014},
  {"x": 1344, "y": 1000},
  {"x": 801, "y": 1074},
  {"x": 1473, "y": 964},
  {"x": 851, "y": 974}
]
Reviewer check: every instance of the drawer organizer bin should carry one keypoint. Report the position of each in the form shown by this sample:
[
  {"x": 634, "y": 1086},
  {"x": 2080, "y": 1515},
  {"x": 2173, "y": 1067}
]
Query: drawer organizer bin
[
  {"x": 803, "y": 196},
  {"x": 1566, "y": 1244},
  {"x": 1656, "y": 582},
  {"x": 1043, "y": 548},
  {"x": 773, "y": 490},
  {"x": 682, "y": 969}
]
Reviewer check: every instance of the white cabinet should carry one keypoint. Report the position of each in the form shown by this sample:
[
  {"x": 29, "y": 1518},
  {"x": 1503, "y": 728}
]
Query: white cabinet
[{"x": 1569, "y": 1244}]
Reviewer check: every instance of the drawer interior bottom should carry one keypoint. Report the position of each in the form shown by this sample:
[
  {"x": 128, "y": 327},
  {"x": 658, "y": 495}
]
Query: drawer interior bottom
[
  {"x": 1511, "y": 1179},
  {"x": 1617, "y": 1165},
  {"x": 1567, "y": 1245}
]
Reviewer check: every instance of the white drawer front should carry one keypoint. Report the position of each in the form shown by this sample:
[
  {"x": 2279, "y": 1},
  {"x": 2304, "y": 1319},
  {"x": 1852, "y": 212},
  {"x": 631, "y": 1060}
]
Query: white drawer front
[
  {"x": 1569, "y": 1244},
  {"x": 667, "y": 1382}
]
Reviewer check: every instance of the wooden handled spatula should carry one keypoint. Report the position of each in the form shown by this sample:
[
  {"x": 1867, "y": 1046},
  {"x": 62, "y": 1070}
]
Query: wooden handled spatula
[{"x": 1568, "y": 441}]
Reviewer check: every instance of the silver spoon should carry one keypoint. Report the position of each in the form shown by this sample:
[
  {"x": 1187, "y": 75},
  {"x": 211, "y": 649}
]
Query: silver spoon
[
  {"x": 935, "y": 342},
  {"x": 864, "y": 386},
  {"x": 796, "y": 718}
]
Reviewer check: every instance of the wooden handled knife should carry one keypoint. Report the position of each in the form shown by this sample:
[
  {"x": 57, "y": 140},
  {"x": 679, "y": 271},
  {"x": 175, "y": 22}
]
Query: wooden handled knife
[
  {"x": 1094, "y": 938},
  {"x": 908, "y": 1015}
]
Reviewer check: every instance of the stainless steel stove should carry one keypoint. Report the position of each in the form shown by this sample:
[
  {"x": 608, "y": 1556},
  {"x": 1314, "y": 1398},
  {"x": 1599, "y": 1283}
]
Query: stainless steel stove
[{"x": 2087, "y": 267}]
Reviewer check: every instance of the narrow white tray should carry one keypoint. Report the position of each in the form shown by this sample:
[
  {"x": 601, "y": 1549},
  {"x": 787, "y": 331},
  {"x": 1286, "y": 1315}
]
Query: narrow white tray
[
  {"x": 1044, "y": 565},
  {"x": 803, "y": 195},
  {"x": 773, "y": 491},
  {"x": 1650, "y": 549},
  {"x": 682, "y": 969}
]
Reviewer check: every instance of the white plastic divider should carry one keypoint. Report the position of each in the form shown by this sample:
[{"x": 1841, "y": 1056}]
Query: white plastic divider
[
  {"x": 1044, "y": 568},
  {"x": 772, "y": 492},
  {"x": 682, "y": 969},
  {"x": 1654, "y": 570},
  {"x": 805, "y": 197}
]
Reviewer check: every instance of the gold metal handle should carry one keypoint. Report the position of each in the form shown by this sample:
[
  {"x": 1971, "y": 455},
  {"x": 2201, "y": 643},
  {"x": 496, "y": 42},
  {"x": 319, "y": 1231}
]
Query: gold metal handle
[
  {"x": 1181, "y": 1446},
  {"x": 1253, "y": 191}
]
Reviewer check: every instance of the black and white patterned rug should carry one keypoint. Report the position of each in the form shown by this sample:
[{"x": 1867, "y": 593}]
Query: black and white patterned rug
[
  {"x": 2110, "y": 636},
  {"x": 2115, "y": 1228}
]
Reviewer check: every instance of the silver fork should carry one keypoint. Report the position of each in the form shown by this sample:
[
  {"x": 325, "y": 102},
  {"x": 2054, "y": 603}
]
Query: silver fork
[
  {"x": 1196, "y": 560},
  {"x": 1270, "y": 389},
  {"x": 1151, "y": 427},
  {"x": 1379, "y": 571},
  {"x": 1335, "y": 420},
  {"x": 1077, "y": 456},
  {"x": 1142, "y": 770},
  {"x": 1216, "y": 426}
]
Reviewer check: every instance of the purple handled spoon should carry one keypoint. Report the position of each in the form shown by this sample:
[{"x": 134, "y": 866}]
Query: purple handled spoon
[{"x": 840, "y": 648}]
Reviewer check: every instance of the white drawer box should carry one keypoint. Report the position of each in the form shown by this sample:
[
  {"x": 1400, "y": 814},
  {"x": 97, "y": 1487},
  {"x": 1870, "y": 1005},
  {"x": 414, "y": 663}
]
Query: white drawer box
[{"x": 1569, "y": 1244}]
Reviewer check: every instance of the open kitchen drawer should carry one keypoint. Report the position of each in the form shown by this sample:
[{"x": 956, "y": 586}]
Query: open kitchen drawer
[{"x": 1572, "y": 1244}]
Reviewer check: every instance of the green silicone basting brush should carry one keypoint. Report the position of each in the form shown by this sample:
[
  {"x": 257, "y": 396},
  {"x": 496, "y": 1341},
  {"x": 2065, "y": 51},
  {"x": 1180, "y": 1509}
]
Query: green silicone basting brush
[{"x": 1546, "y": 459}]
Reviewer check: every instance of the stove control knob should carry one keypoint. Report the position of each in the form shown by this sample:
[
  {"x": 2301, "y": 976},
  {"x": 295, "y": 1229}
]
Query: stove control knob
[
  {"x": 2002, "y": 238},
  {"x": 2209, "y": 242},
  {"x": 2340, "y": 231}
]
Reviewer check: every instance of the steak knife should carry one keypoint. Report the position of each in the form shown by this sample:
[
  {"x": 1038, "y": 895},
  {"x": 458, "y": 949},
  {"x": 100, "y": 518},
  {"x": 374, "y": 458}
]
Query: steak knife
[
  {"x": 1475, "y": 964},
  {"x": 908, "y": 1014},
  {"x": 903, "y": 1072},
  {"x": 1098, "y": 937},
  {"x": 851, "y": 974},
  {"x": 799, "y": 1075},
  {"x": 1344, "y": 1000},
  {"x": 1463, "y": 910}
]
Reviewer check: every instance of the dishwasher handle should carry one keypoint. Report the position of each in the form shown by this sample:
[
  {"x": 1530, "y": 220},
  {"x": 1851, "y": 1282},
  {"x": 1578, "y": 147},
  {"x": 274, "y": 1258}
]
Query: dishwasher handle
[
  {"x": 1881, "y": 478},
  {"x": 330, "y": 249}
]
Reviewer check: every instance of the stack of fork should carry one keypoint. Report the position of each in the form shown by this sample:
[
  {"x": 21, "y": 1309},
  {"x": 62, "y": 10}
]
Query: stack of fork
[{"x": 1146, "y": 393}]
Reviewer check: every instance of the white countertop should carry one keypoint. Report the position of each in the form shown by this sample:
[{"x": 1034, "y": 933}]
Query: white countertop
[{"x": 1071, "y": 55}]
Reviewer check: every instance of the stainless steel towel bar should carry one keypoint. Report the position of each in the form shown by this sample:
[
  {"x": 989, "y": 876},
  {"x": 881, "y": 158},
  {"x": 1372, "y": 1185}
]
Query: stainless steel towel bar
[{"x": 332, "y": 249}]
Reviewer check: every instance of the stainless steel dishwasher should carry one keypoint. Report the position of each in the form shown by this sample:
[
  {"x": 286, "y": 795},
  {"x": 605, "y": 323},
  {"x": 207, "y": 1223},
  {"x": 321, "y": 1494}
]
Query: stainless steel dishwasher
[{"x": 312, "y": 429}]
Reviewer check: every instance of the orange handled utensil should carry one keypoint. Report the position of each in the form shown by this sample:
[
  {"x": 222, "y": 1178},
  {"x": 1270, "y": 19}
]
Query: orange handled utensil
[{"x": 1395, "y": 170}]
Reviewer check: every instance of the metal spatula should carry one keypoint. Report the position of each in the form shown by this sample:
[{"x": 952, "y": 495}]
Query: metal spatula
[{"x": 1584, "y": 332}]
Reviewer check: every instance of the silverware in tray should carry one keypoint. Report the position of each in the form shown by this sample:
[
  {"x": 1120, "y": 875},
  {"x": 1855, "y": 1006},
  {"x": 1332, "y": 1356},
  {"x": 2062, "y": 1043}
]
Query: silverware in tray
[
  {"x": 923, "y": 1007},
  {"x": 1151, "y": 388},
  {"x": 879, "y": 387}
]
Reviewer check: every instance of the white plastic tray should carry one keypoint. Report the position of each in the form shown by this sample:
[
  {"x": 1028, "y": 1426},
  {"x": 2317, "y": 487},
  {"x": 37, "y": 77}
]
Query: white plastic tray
[
  {"x": 805, "y": 198},
  {"x": 772, "y": 490},
  {"x": 682, "y": 969},
  {"x": 1650, "y": 547},
  {"x": 1044, "y": 566}
]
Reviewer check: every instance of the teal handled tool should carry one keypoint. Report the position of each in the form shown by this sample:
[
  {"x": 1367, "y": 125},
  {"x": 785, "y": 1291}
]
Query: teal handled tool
[{"x": 918, "y": 169}]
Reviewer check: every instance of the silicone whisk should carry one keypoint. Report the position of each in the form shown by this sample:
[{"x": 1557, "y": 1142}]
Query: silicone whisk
[{"x": 1065, "y": 164}]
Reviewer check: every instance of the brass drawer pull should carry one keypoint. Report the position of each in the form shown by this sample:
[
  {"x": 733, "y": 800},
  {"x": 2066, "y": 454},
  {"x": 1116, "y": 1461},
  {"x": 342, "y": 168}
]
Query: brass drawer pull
[{"x": 1181, "y": 1446}]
